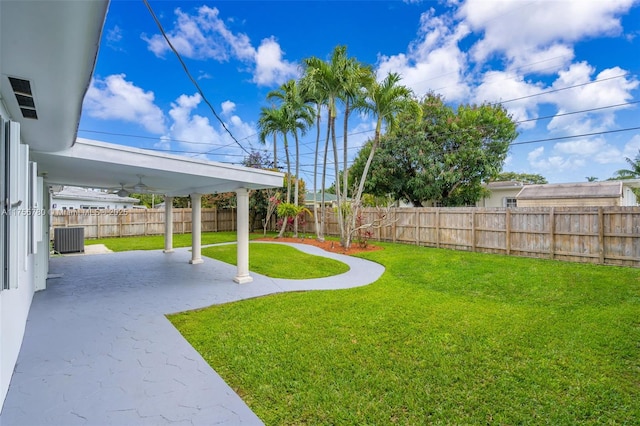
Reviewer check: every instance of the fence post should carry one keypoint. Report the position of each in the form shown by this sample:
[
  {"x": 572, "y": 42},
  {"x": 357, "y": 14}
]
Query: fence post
[
  {"x": 601, "y": 234},
  {"x": 508, "y": 231},
  {"x": 417, "y": 227},
  {"x": 215, "y": 219},
  {"x": 437, "y": 227},
  {"x": 473, "y": 230},
  {"x": 552, "y": 233},
  {"x": 98, "y": 225},
  {"x": 393, "y": 230}
]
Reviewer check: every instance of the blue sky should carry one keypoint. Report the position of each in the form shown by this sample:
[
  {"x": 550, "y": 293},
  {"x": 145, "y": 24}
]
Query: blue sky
[{"x": 567, "y": 70}]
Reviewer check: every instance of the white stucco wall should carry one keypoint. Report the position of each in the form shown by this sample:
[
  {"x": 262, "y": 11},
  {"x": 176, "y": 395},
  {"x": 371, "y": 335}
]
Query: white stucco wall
[{"x": 26, "y": 270}]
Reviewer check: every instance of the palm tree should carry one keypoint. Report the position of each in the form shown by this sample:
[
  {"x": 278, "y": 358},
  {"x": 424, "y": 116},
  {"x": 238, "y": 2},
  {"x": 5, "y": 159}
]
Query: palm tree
[
  {"x": 271, "y": 122},
  {"x": 298, "y": 116},
  {"x": 312, "y": 94},
  {"x": 267, "y": 126},
  {"x": 355, "y": 77},
  {"x": 633, "y": 172},
  {"x": 384, "y": 100},
  {"x": 327, "y": 78}
]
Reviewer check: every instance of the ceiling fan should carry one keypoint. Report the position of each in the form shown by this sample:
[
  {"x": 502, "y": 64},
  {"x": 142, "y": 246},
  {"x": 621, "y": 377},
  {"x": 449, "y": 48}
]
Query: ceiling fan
[{"x": 138, "y": 188}]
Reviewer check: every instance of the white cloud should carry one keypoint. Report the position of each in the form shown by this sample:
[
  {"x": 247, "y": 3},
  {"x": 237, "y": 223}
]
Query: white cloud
[
  {"x": 270, "y": 66},
  {"x": 115, "y": 98},
  {"x": 190, "y": 38},
  {"x": 614, "y": 88},
  {"x": 228, "y": 107},
  {"x": 205, "y": 36},
  {"x": 197, "y": 135},
  {"x": 554, "y": 163},
  {"x": 434, "y": 62},
  {"x": 632, "y": 148},
  {"x": 536, "y": 29},
  {"x": 114, "y": 37},
  {"x": 499, "y": 86}
]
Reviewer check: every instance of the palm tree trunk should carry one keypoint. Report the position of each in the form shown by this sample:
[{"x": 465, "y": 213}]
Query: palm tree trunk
[
  {"x": 337, "y": 179},
  {"x": 288, "y": 160},
  {"x": 345, "y": 172},
  {"x": 324, "y": 173},
  {"x": 315, "y": 176},
  {"x": 358, "y": 195},
  {"x": 296, "y": 196},
  {"x": 275, "y": 152}
]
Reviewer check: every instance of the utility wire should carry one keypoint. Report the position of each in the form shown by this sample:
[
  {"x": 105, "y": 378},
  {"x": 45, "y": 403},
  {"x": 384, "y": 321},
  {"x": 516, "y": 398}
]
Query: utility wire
[
  {"x": 310, "y": 144},
  {"x": 561, "y": 89},
  {"x": 186, "y": 70}
]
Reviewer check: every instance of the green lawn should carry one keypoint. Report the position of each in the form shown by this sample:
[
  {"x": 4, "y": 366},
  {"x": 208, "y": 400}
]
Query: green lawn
[
  {"x": 156, "y": 242},
  {"x": 279, "y": 261},
  {"x": 444, "y": 337}
]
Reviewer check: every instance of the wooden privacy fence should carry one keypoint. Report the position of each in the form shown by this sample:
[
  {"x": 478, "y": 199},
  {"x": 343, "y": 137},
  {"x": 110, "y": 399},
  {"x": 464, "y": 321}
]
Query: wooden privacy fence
[
  {"x": 605, "y": 235},
  {"x": 101, "y": 223}
]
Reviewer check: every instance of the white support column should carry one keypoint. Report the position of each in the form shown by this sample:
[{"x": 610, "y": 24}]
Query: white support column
[
  {"x": 168, "y": 224},
  {"x": 196, "y": 225},
  {"x": 243, "y": 276}
]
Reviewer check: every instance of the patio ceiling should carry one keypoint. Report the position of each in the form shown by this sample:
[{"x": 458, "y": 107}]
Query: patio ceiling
[
  {"x": 48, "y": 51},
  {"x": 103, "y": 165}
]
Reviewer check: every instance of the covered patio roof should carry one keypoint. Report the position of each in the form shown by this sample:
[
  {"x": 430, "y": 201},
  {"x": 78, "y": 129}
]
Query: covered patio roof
[{"x": 96, "y": 164}]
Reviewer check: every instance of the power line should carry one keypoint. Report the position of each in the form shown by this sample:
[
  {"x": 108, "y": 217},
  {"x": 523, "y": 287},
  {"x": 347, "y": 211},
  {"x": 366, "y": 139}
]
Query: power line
[
  {"x": 577, "y": 112},
  {"x": 561, "y": 89},
  {"x": 628, "y": 129},
  {"x": 186, "y": 70}
]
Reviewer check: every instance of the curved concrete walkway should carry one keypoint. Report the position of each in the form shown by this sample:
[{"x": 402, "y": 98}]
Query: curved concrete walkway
[{"x": 98, "y": 349}]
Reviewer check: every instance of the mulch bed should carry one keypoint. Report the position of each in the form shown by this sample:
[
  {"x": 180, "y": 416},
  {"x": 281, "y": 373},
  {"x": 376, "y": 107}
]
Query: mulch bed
[{"x": 331, "y": 246}]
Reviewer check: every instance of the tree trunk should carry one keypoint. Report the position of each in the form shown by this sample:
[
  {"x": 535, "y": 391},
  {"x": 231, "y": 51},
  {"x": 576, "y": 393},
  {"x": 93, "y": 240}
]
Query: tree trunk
[
  {"x": 337, "y": 180},
  {"x": 324, "y": 174},
  {"x": 315, "y": 176},
  {"x": 296, "y": 196},
  {"x": 288, "y": 160},
  {"x": 358, "y": 195}
]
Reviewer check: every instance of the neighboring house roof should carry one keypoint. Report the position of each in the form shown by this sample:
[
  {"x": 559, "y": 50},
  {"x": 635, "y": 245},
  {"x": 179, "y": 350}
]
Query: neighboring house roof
[
  {"x": 503, "y": 185},
  {"x": 605, "y": 189},
  {"x": 85, "y": 194}
]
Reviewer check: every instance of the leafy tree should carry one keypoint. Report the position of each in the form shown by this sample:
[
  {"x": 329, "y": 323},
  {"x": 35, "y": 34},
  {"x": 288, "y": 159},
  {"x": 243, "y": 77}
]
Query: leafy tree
[
  {"x": 444, "y": 156},
  {"x": 592, "y": 179},
  {"x": 527, "y": 178}
]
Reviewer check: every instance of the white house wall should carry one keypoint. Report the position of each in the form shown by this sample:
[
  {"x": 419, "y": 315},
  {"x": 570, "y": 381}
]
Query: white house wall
[
  {"x": 628, "y": 197},
  {"x": 27, "y": 260},
  {"x": 63, "y": 204}
]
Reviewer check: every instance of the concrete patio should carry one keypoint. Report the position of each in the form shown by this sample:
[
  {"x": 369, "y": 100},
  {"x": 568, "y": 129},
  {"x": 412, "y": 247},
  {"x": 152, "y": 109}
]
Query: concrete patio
[{"x": 98, "y": 349}]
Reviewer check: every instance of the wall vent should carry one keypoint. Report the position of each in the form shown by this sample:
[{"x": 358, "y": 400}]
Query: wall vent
[{"x": 24, "y": 96}]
